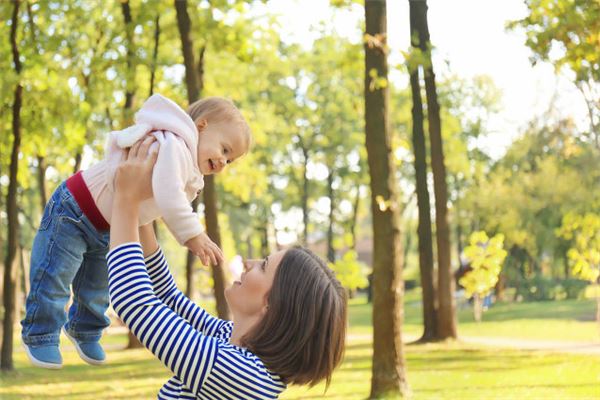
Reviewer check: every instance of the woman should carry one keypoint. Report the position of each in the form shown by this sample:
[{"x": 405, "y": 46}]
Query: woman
[{"x": 289, "y": 311}]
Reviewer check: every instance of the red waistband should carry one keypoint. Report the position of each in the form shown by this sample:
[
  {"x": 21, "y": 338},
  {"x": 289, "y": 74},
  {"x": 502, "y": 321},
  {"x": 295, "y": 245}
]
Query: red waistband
[{"x": 83, "y": 197}]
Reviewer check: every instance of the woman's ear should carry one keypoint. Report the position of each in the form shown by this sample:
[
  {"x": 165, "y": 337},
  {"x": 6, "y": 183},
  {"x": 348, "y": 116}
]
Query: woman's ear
[
  {"x": 201, "y": 123},
  {"x": 265, "y": 307}
]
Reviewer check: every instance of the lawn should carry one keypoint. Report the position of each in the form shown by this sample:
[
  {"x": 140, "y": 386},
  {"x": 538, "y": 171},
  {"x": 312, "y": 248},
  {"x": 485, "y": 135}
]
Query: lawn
[
  {"x": 435, "y": 371},
  {"x": 572, "y": 320}
]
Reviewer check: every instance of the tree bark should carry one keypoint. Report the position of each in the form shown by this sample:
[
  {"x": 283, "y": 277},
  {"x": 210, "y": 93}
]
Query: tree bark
[
  {"x": 211, "y": 213},
  {"x": 41, "y": 177},
  {"x": 500, "y": 286},
  {"x": 190, "y": 262},
  {"x": 423, "y": 203},
  {"x": 477, "y": 307},
  {"x": 388, "y": 373},
  {"x": 155, "y": 53},
  {"x": 10, "y": 272},
  {"x": 330, "y": 194},
  {"x": 304, "y": 196},
  {"x": 187, "y": 48},
  {"x": 130, "y": 74},
  {"x": 446, "y": 313},
  {"x": 355, "y": 218}
]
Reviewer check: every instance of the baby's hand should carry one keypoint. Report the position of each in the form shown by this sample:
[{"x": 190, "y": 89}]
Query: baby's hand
[{"x": 205, "y": 249}]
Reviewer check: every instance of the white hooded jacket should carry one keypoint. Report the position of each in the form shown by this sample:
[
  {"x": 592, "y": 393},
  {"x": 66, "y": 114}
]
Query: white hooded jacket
[{"x": 176, "y": 179}]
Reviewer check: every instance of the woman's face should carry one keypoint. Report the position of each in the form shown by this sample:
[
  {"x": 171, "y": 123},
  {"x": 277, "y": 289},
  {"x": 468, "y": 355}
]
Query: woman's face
[{"x": 248, "y": 296}]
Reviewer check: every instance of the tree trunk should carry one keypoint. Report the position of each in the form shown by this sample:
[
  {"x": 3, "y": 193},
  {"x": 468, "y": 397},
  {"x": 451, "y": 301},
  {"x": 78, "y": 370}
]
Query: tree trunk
[
  {"x": 24, "y": 255},
  {"x": 187, "y": 48},
  {"x": 304, "y": 194},
  {"x": 500, "y": 286},
  {"x": 459, "y": 245},
  {"x": 10, "y": 272},
  {"x": 423, "y": 202},
  {"x": 249, "y": 248},
  {"x": 446, "y": 313},
  {"x": 211, "y": 213},
  {"x": 194, "y": 78},
  {"x": 155, "y": 53},
  {"x": 41, "y": 177},
  {"x": 265, "y": 250},
  {"x": 330, "y": 249},
  {"x": 477, "y": 307},
  {"x": 130, "y": 74},
  {"x": 388, "y": 374},
  {"x": 355, "y": 218},
  {"x": 190, "y": 261}
]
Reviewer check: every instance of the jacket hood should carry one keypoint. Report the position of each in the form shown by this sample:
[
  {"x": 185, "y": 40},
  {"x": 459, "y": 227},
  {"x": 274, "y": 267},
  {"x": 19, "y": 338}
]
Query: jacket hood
[{"x": 164, "y": 114}]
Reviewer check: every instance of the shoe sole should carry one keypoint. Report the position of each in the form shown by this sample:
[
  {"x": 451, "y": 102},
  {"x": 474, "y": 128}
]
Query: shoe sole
[
  {"x": 85, "y": 358},
  {"x": 38, "y": 363}
]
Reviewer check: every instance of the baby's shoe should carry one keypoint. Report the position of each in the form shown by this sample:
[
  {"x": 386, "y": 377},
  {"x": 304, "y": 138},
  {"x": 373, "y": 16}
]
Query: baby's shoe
[
  {"x": 44, "y": 356},
  {"x": 90, "y": 352}
]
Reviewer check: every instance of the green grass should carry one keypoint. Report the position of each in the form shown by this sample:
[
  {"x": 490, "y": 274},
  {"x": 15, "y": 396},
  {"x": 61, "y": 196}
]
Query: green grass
[
  {"x": 435, "y": 371},
  {"x": 455, "y": 371},
  {"x": 572, "y": 320}
]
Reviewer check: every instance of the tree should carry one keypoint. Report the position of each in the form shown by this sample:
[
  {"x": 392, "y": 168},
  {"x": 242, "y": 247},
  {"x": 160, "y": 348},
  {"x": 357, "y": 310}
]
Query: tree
[
  {"x": 388, "y": 373},
  {"x": 565, "y": 32},
  {"x": 446, "y": 312},
  {"x": 193, "y": 78},
  {"x": 10, "y": 270},
  {"x": 584, "y": 255},
  {"x": 424, "y": 233},
  {"x": 485, "y": 256}
]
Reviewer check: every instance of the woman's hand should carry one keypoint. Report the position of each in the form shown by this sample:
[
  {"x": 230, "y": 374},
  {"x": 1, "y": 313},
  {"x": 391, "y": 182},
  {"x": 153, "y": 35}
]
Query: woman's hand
[
  {"x": 133, "y": 183},
  {"x": 133, "y": 179}
]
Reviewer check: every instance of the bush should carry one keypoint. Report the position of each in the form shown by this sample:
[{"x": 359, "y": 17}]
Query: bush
[
  {"x": 538, "y": 288},
  {"x": 541, "y": 288},
  {"x": 574, "y": 288}
]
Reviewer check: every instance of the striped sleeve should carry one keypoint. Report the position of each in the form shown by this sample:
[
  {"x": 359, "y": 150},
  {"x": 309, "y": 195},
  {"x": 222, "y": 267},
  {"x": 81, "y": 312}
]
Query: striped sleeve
[
  {"x": 185, "y": 351},
  {"x": 235, "y": 376},
  {"x": 166, "y": 290}
]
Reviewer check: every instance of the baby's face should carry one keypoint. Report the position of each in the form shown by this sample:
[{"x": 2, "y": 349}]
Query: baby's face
[{"x": 219, "y": 144}]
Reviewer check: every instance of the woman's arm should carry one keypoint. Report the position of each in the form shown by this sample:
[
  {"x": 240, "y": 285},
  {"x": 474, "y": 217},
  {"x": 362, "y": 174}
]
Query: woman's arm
[
  {"x": 148, "y": 240},
  {"x": 188, "y": 353},
  {"x": 165, "y": 288}
]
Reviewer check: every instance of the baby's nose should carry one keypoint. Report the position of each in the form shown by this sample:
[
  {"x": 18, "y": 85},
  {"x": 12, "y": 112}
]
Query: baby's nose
[{"x": 220, "y": 164}]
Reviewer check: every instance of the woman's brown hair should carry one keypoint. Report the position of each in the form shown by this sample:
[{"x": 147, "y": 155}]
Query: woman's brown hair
[{"x": 302, "y": 335}]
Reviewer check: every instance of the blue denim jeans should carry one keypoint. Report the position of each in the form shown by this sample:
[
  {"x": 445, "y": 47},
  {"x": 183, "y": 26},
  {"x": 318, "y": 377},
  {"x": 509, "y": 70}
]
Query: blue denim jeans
[{"x": 67, "y": 250}]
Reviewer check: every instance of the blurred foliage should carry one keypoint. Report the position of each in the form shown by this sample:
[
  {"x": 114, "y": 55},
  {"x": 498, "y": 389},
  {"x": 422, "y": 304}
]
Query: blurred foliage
[
  {"x": 485, "y": 257},
  {"x": 351, "y": 273}
]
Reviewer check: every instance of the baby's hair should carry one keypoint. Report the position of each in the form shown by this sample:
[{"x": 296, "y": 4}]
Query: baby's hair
[{"x": 220, "y": 109}]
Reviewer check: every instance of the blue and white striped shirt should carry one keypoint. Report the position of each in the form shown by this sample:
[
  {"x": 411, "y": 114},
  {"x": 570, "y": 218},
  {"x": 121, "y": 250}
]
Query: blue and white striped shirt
[{"x": 188, "y": 340}]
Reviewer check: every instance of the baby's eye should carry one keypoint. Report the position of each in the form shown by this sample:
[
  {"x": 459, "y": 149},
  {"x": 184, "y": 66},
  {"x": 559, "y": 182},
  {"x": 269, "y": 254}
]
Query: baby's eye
[{"x": 225, "y": 150}]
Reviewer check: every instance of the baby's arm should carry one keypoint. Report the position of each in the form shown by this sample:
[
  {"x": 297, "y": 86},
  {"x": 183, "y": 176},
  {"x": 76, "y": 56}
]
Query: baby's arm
[{"x": 169, "y": 177}]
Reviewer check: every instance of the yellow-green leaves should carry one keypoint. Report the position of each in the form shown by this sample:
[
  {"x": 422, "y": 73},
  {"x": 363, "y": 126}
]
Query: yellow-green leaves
[
  {"x": 350, "y": 272},
  {"x": 583, "y": 231},
  {"x": 377, "y": 82},
  {"x": 485, "y": 257}
]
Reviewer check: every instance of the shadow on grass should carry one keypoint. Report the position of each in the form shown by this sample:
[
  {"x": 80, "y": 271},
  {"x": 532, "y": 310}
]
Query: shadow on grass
[{"x": 503, "y": 387}]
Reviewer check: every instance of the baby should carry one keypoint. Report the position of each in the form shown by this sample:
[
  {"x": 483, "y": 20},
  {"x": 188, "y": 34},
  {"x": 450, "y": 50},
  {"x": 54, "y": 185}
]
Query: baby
[{"x": 72, "y": 241}]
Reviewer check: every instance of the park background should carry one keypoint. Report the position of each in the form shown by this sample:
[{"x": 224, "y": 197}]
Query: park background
[{"x": 496, "y": 190}]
